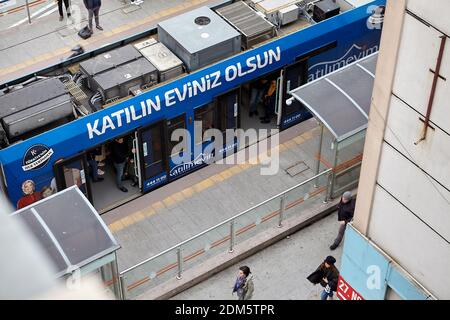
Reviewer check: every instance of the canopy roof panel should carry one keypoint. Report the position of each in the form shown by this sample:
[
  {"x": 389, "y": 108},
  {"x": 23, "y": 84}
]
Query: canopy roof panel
[
  {"x": 69, "y": 229},
  {"x": 341, "y": 100}
]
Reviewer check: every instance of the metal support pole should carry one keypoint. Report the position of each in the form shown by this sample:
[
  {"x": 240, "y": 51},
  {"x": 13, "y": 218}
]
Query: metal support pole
[
  {"x": 115, "y": 278},
  {"x": 123, "y": 287},
  {"x": 327, "y": 192},
  {"x": 28, "y": 11},
  {"x": 232, "y": 236},
  {"x": 319, "y": 155},
  {"x": 336, "y": 153},
  {"x": 180, "y": 263},
  {"x": 280, "y": 217},
  {"x": 103, "y": 273}
]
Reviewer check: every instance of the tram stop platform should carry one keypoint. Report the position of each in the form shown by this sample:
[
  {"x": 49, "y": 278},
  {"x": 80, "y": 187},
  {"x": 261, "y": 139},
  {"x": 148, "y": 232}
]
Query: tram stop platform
[
  {"x": 154, "y": 225},
  {"x": 27, "y": 48}
]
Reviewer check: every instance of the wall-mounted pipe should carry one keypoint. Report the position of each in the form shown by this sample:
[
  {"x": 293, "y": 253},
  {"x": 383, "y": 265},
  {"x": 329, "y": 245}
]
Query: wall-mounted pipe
[{"x": 433, "y": 89}]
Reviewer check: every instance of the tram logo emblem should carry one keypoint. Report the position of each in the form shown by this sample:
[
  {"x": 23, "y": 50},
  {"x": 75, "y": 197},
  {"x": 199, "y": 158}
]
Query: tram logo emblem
[{"x": 36, "y": 157}]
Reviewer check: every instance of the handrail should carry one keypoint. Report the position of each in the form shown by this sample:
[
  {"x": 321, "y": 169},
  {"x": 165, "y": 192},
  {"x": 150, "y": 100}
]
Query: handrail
[{"x": 224, "y": 222}]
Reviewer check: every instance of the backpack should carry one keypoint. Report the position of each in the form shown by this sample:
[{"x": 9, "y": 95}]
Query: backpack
[{"x": 85, "y": 32}]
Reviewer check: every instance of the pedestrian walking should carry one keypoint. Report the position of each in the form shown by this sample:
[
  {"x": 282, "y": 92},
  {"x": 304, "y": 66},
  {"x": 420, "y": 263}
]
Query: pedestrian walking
[
  {"x": 346, "y": 210},
  {"x": 244, "y": 284},
  {"x": 93, "y": 7},
  {"x": 328, "y": 276},
  {"x": 60, "y": 8}
]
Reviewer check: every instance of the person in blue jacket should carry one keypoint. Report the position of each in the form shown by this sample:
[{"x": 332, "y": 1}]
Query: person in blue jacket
[{"x": 93, "y": 7}]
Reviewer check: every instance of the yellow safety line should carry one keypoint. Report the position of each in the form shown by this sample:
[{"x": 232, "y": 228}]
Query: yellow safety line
[{"x": 200, "y": 186}]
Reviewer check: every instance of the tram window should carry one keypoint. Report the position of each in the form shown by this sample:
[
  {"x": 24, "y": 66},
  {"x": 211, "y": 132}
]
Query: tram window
[
  {"x": 205, "y": 118},
  {"x": 173, "y": 124}
]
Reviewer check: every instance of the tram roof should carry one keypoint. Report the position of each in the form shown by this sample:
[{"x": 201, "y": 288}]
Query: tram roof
[
  {"x": 341, "y": 99},
  {"x": 70, "y": 230}
]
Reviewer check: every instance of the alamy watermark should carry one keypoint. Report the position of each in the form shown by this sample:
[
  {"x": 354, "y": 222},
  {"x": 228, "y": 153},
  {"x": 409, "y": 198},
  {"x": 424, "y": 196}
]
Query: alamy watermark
[
  {"x": 213, "y": 145},
  {"x": 373, "y": 281}
]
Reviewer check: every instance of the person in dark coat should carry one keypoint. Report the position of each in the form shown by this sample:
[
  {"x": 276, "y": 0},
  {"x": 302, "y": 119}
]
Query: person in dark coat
[
  {"x": 346, "y": 210},
  {"x": 269, "y": 101},
  {"x": 119, "y": 154},
  {"x": 93, "y": 7},
  {"x": 328, "y": 276},
  {"x": 94, "y": 165},
  {"x": 60, "y": 8}
]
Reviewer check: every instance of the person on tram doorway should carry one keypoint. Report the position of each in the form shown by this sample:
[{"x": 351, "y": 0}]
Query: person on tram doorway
[
  {"x": 119, "y": 154},
  {"x": 269, "y": 102},
  {"x": 256, "y": 96},
  {"x": 93, "y": 164},
  {"x": 129, "y": 171}
]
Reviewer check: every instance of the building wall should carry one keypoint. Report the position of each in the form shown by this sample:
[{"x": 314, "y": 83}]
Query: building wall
[
  {"x": 403, "y": 205},
  {"x": 373, "y": 274}
]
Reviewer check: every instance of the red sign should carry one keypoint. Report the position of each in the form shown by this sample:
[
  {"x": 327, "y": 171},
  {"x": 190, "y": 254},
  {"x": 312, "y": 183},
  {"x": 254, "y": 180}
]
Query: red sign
[{"x": 346, "y": 292}]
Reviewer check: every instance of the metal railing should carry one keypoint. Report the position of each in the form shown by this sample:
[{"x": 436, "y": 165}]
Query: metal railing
[{"x": 232, "y": 231}]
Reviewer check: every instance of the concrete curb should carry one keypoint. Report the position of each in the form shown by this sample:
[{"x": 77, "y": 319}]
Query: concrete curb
[{"x": 207, "y": 269}]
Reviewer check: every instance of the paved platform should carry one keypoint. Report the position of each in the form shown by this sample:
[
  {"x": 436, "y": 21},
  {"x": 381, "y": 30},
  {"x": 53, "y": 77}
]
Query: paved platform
[
  {"x": 280, "y": 270},
  {"x": 27, "y": 48}
]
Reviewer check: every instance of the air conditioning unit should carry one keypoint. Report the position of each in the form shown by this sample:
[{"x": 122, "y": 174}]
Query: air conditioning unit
[
  {"x": 169, "y": 65},
  {"x": 199, "y": 37},
  {"x": 145, "y": 44},
  {"x": 107, "y": 61},
  {"x": 34, "y": 106},
  {"x": 115, "y": 83},
  {"x": 252, "y": 3},
  {"x": 325, "y": 9},
  {"x": 288, "y": 14}
]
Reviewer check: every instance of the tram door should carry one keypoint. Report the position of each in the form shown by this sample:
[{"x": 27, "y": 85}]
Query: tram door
[
  {"x": 228, "y": 106},
  {"x": 73, "y": 171},
  {"x": 292, "y": 76},
  {"x": 150, "y": 158}
]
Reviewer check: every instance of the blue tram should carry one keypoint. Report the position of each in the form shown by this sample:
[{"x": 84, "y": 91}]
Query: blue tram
[{"x": 58, "y": 155}]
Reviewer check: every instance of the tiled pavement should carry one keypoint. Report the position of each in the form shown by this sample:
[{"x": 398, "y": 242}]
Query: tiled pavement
[{"x": 26, "y": 48}]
